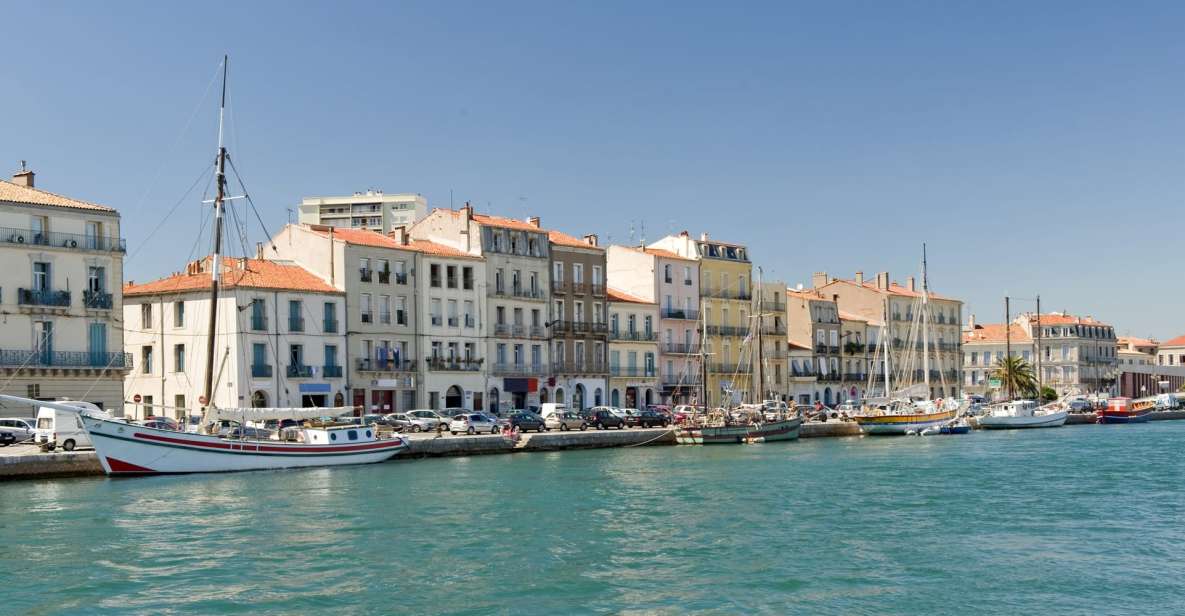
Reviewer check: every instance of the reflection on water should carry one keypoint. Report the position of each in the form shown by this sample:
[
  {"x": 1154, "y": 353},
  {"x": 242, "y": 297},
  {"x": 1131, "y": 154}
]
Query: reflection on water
[{"x": 1007, "y": 520}]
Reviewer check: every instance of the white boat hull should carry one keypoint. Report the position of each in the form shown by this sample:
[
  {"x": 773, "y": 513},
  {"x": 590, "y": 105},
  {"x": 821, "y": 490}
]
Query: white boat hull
[
  {"x": 1051, "y": 420},
  {"x": 129, "y": 449}
]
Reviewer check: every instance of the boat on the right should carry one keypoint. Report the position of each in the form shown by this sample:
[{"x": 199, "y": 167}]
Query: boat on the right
[
  {"x": 1125, "y": 410},
  {"x": 1017, "y": 414}
]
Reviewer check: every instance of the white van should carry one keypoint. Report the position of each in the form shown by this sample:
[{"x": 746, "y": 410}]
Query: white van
[
  {"x": 547, "y": 409},
  {"x": 64, "y": 429}
]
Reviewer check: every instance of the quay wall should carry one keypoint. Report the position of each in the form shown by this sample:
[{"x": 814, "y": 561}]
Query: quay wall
[{"x": 27, "y": 462}]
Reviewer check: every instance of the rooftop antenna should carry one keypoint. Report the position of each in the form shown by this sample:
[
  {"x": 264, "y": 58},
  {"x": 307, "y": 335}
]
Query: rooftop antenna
[
  {"x": 289, "y": 210},
  {"x": 450, "y": 199},
  {"x": 643, "y": 223},
  {"x": 631, "y": 233},
  {"x": 22, "y": 165}
]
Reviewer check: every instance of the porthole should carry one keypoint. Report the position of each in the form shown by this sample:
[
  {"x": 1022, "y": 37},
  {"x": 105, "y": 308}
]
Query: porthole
[
  {"x": 333, "y": 436},
  {"x": 368, "y": 434}
]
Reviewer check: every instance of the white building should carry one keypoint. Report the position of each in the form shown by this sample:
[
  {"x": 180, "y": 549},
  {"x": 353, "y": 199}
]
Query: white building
[
  {"x": 60, "y": 293},
  {"x": 633, "y": 351},
  {"x": 371, "y": 210},
  {"x": 279, "y": 338}
]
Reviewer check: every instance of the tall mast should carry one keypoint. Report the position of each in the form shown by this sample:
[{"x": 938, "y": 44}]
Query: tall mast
[
  {"x": 1008, "y": 345},
  {"x": 760, "y": 345},
  {"x": 1038, "y": 338},
  {"x": 216, "y": 255},
  {"x": 703, "y": 356},
  {"x": 885, "y": 341},
  {"x": 925, "y": 324}
]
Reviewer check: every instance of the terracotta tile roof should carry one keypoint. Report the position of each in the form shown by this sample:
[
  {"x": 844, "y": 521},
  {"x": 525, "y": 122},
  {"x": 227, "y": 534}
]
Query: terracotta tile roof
[
  {"x": 1134, "y": 342},
  {"x": 851, "y": 316},
  {"x": 994, "y": 333},
  {"x": 563, "y": 239},
  {"x": 500, "y": 221},
  {"x": 359, "y": 237},
  {"x": 1174, "y": 342},
  {"x": 617, "y": 295},
  {"x": 16, "y": 193},
  {"x": 253, "y": 274},
  {"x": 806, "y": 294},
  {"x": 796, "y": 345},
  {"x": 664, "y": 253},
  {"x": 1061, "y": 318},
  {"x": 440, "y": 250}
]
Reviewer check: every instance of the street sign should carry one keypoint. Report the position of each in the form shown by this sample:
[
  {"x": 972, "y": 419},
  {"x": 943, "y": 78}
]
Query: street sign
[
  {"x": 136, "y": 398},
  {"x": 995, "y": 383}
]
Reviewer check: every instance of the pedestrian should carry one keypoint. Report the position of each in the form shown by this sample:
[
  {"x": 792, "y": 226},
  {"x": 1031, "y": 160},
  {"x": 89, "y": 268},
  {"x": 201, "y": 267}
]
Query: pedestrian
[{"x": 439, "y": 429}]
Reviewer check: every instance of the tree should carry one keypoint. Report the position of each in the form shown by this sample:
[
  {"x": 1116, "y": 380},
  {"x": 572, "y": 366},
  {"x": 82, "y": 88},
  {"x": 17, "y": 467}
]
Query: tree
[
  {"x": 1019, "y": 373},
  {"x": 1048, "y": 394}
]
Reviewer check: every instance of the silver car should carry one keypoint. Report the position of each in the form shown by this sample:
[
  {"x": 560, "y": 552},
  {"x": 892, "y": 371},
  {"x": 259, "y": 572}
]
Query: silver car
[
  {"x": 472, "y": 423},
  {"x": 432, "y": 418},
  {"x": 20, "y": 427},
  {"x": 565, "y": 421},
  {"x": 407, "y": 423}
]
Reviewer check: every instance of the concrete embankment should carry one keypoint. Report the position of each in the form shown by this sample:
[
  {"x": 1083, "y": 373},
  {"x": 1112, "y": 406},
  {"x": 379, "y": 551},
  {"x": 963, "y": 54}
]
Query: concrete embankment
[
  {"x": 816, "y": 429},
  {"x": 423, "y": 446},
  {"x": 28, "y": 462}
]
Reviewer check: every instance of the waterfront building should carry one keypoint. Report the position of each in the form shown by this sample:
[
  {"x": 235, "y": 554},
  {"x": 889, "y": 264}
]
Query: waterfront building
[
  {"x": 1171, "y": 352},
  {"x": 1132, "y": 351},
  {"x": 517, "y": 257},
  {"x": 633, "y": 351},
  {"x": 813, "y": 324},
  {"x": 873, "y": 299},
  {"x": 803, "y": 385},
  {"x": 278, "y": 338},
  {"x": 672, "y": 282},
  {"x": 857, "y": 349},
  {"x": 579, "y": 322},
  {"x": 371, "y": 210},
  {"x": 377, "y": 275},
  {"x": 60, "y": 291},
  {"x": 726, "y": 294},
  {"x": 770, "y": 303},
  {"x": 1073, "y": 354}
]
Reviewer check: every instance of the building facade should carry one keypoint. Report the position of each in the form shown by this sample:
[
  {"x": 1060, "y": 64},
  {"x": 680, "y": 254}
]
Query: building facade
[
  {"x": 278, "y": 339},
  {"x": 60, "y": 291},
  {"x": 1171, "y": 352},
  {"x": 813, "y": 323},
  {"x": 771, "y": 376},
  {"x": 633, "y": 351},
  {"x": 578, "y": 322},
  {"x": 372, "y": 210},
  {"x": 672, "y": 282}
]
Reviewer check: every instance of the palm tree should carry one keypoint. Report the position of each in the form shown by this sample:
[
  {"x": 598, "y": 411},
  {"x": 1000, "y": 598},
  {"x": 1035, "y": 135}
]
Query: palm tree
[{"x": 1019, "y": 373}]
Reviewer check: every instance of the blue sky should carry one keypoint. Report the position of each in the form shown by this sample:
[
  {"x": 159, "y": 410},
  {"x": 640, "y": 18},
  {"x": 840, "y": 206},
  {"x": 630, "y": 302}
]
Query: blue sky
[{"x": 1036, "y": 147}]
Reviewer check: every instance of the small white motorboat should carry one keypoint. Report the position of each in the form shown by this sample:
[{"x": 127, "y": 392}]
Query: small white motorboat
[{"x": 1018, "y": 414}]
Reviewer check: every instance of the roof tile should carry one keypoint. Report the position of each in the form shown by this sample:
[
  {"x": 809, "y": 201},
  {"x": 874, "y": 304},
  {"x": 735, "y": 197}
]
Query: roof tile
[
  {"x": 244, "y": 273},
  {"x": 16, "y": 193}
]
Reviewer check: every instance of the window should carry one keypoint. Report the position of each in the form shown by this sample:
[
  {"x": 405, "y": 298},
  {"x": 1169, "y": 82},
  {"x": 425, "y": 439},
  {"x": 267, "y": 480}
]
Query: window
[
  {"x": 577, "y": 273},
  {"x": 632, "y": 324},
  {"x": 648, "y": 324},
  {"x": 258, "y": 315},
  {"x": 40, "y": 227},
  {"x": 434, "y": 310},
  {"x": 578, "y": 312},
  {"x": 559, "y": 309},
  {"x": 94, "y": 231},
  {"x": 596, "y": 275},
  {"x": 557, "y": 274},
  {"x": 295, "y": 321},
  {"x": 330, "y": 356},
  {"x": 401, "y": 310},
  {"x": 296, "y": 355},
  {"x": 453, "y": 320},
  {"x": 666, "y": 273},
  {"x": 500, "y": 351},
  {"x": 499, "y": 281},
  {"x": 385, "y": 309},
  {"x": 613, "y": 323},
  {"x": 179, "y": 314},
  {"x": 330, "y": 315},
  {"x": 178, "y": 358},
  {"x": 179, "y": 404},
  {"x": 365, "y": 308},
  {"x": 146, "y": 360},
  {"x": 364, "y": 269},
  {"x": 434, "y": 275},
  {"x": 468, "y": 307},
  {"x": 96, "y": 279},
  {"x": 536, "y": 355},
  {"x": 145, "y": 316},
  {"x": 259, "y": 354},
  {"x": 451, "y": 276},
  {"x": 687, "y": 276},
  {"x": 467, "y": 278},
  {"x": 518, "y": 355}
]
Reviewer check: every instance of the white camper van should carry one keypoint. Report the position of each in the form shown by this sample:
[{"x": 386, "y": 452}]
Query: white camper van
[{"x": 61, "y": 428}]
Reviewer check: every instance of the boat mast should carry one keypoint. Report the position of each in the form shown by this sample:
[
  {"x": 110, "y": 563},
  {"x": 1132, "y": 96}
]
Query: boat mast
[
  {"x": 703, "y": 356},
  {"x": 1038, "y": 337},
  {"x": 760, "y": 345},
  {"x": 925, "y": 325},
  {"x": 216, "y": 255},
  {"x": 1008, "y": 345},
  {"x": 885, "y": 342}
]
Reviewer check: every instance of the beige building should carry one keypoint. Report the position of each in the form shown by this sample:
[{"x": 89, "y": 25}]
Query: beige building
[
  {"x": 1133, "y": 351},
  {"x": 62, "y": 299},
  {"x": 278, "y": 339},
  {"x": 371, "y": 210},
  {"x": 802, "y": 380},
  {"x": 814, "y": 324},
  {"x": 726, "y": 294},
  {"x": 872, "y": 300},
  {"x": 1171, "y": 352},
  {"x": 633, "y": 351},
  {"x": 672, "y": 282}
]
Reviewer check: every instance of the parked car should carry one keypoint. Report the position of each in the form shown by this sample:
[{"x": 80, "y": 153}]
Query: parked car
[
  {"x": 565, "y": 421},
  {"x": 552, "y": 408},
  {"x": 588, "y": 413},
  {"x": 526, "y": 420},
  {"x": 605, "y": 419},
  {"x": 7, "y": 438},
  {"x": 56, "y": 427},
  {"x": 374, "y": 419},
  {"x": 472, "y": 423},
  {"x": 432, "y": 418},
  {"x": 647, "y": 419},
  {"x": 21, "y": 428}
]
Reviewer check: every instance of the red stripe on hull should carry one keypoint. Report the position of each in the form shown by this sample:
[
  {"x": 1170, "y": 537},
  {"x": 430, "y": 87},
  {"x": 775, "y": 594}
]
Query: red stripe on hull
[
  {"x": 251, "y": 447},
  {"x": 119, "y": 466}
]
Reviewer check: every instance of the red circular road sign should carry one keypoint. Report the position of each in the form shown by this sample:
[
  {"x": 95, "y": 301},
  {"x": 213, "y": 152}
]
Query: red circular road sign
[
  {"x": 202, "y": 400},
  {"x": 136, "y": 398}
]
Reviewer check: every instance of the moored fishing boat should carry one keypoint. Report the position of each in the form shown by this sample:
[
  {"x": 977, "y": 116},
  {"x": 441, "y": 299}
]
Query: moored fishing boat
[
  {"x": 902, "y": 419},
  {"x": 721, "y": 427},
  {"x": 1126, "y": 410},
  {"x": 1020, "y": 414}
]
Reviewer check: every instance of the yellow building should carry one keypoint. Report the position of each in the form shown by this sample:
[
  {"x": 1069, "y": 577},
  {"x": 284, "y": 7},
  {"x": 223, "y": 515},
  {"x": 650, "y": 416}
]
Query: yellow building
[{"x": 726, "y": 298}]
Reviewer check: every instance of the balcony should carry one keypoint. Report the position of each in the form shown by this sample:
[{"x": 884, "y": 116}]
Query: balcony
[
  {"x": 833, "y": 349},
  {"x": 745, "y": 295},
  {"x": 331, "y": 372},
  {"x": 436, "y": 320},
  {"x": 634, "y": 336},
  {"x": 579, "y": 288},
  {"x": 365, "y": 275},
  {"x": 454, "y": 321},
  {"x": 727, "y": 330},
  {"x": 501, "y": 329},
  {"x": 679, "y": 313},
  {"x": 330, "y": 326},
  {"x": 97, "y": 300},
  {"x": 470, "y": 321},
  {"x": 684, "y": 380},
  {"x": 296, "y": 324},
  {"x": 298, "y": 371},
  {"x": 519, "y": 370},
  {"x": 632, "y": 371},
  {"x": 385, "y": 277},
  {"x": 538, "y": 331},
  {"x": 454, "y": 365},
  {"x": 578, "y": 327},
  {"x": 43, "y": 297},
  {"x": 578, "y": 367},
  {"x": 365, "y": 364},
  {"x": 854, "y": 376},
  {"x": 401, "y": 278},
  {"x": 718, "y": 368},
  {"x": 259, "y": 322},
  {"x": 261, "y": 371},
  {"x": 597, "y": 289},
  {"x": 774, "y": 330},
  {"x": 385, "y": 318},
  {"x": 65, "y": 359},
  {"x": 519, "y": 293},
  {"x": 559, "y": 286},
  {"x": 677, "y": 348},
  {"x": 71, "y": 241}
]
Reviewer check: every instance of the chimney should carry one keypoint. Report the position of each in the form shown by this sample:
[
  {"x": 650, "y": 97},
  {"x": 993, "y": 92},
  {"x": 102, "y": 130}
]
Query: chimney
[
  {"x": 819, "y": 279},
  {"x": 259, "y": 250},
  {"x": 703, "y": 237},
  {"x": 911, "y": 283},
  {"x": 24, "y": 177},
  {"x": 860, "y": 278},
  {"x": 683, "y": 234},
  {"x": 882, "y": 281},
  {"x": 399, "y": 234},
  {"x": 467, "y": 211},
  {"x": 590, "y": 239},
  {"x": 971, "y": 322},
  {"x": 533, "y": 221}
]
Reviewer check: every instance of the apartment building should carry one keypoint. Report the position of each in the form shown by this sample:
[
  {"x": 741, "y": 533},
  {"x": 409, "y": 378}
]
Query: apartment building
[
  {"x": 1132, "y": 351},
  {"x": 813, "y": 323},
  {"x": 278, "y": 339},
  {"x": 372, "y": 210},
  {"x": 633, "y": 351},
  {"x": 517, "y": 257},
  {"x": 726, "y": 294},
  {"x": 984, "y": 345},
  {"x": 578, "y": 320},
  {"x": 671, "y": 281},
  {"x": 772, "y": 373},
  {"x": 802, "y": 388},
  {"x": 1171, "y": 352},
  {"x": 857, "y": 337},
  {"x": 872, "y": 300},
  {"x": 60, "y": 291},
  {"x": 377, "y": 275}
]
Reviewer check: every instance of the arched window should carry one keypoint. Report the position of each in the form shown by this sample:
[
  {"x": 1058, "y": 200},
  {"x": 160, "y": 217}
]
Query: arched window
[
  {"x": 259, "y": 399},
  {"x": 615, "y": 398},
  {"x": 598, "y": 397}
]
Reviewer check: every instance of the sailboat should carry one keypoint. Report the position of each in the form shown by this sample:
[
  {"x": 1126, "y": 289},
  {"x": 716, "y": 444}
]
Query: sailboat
[
  {"x": 125, "y": 448},
  {"x": 1015, "y": 414},
  {"x": 908, "y": 409},
  {"x": 767, "y": 420}
]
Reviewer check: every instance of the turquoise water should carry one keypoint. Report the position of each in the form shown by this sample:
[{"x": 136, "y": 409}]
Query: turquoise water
[{"x": 1081, "y": 519}]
